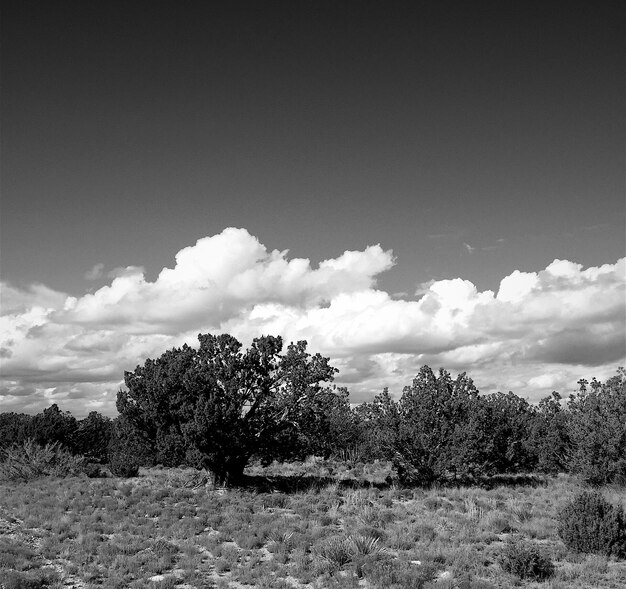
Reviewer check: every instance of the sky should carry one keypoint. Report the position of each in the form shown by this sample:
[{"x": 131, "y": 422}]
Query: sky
[{"x": 398, "y": 183}]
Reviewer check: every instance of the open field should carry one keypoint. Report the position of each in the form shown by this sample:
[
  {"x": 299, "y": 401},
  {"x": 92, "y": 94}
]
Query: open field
[{"x": 317, "y": 524}]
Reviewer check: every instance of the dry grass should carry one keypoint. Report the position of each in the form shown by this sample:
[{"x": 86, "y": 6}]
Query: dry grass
[{"x": 167, "y": 529}]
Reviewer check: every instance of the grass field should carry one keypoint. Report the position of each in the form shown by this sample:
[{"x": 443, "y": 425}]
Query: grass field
[{"x": 315, "y": 524}]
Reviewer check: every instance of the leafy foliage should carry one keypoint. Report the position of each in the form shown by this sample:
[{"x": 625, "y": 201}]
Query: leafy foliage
[
  {"x": 437, "y": 429},
  {"x": 127, "y": 449},
  {"x": 54, "y": 426},
  {"x": 92, "y": 437},
  {"x": 29, "y": 460},
  {"x": 526, "y": 561},
  {"x": 14, "y": 428},
  {"x": 506, "y": 419},
  {"x": 28, "y": 579},
  {"x": 216, "y": 406},
  {"x": 88, "y": 437},
  {"x": 220, "y": 405},
  {"x": 549, "y": 438},
  {"x": 591, "y": 524},
  {"x": 597, "y": 428}
]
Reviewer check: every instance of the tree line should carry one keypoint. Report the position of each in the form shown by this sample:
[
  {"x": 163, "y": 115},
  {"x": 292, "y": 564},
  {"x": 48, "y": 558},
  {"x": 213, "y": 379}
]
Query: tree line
[{"x": 218, "y": 406}]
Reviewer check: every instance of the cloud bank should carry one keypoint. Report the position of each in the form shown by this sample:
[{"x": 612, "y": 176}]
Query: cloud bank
[{"x": 541, "y": 331}]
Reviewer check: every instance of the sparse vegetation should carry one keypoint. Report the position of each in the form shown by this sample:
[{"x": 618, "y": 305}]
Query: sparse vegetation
[
  {"x": 432, "y": 490},
  {"x": 526, "y": 561},
  {"x": 217, "y": 406},
  {"x": 293, "y": 526},
  {"x": 28, "y": 460},
  {"x": 591, "y": 524}
]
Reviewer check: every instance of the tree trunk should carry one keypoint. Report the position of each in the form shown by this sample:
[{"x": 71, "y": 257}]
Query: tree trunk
[{"x": 228, "y": 472}]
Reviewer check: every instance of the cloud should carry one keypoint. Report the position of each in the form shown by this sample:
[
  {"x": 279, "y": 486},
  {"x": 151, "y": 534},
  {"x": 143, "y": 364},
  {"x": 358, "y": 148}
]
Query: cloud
[
  {"x": 218, "y": 278},
  {"x": 469, "y": 248},
  {"x": 23, "y": 300},
  {"x": 541, "y": 329},
  {"x": 96, "y": 272}
]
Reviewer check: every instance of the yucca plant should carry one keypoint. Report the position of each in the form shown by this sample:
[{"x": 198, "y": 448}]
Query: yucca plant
[
  {"x": 363, "y": 545},
  {"x": 336, "y": 551},
  {"x": 522, "y": 511}
]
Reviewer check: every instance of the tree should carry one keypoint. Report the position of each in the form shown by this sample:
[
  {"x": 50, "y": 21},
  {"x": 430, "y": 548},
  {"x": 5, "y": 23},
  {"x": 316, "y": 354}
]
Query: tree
[
  {"x": 54, "y": 425},
  {"x": 548, "y": 439},
  {"x": 323, "y": 425},
  {"x": 128, "y": 448},
  {"x": 597, "y": 429},
  {"x": 93, "y": 436},
  {"x": 216, "y": 406},
  {"x": 15, "y": 428},
  {"x": 506, "y": 419},
  {"x": 436, "y": 429},
  {"x": 378, "y": 424}
]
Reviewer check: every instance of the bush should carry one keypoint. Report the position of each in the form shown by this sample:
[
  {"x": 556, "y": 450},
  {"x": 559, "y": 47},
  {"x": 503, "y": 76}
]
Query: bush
[
  {"x": 92, "y": 470},
  {"x": 127, "y": 450},
  {"x": 441, "y": 429},
  {"x": 526, "y": 561},
  {"x": 29, "y": 460},
  {"x": 382, "y": 573},
  {"x": 597, "y": 428},
  {"x": 336, "y": 551},
  {"x": 122, "y": 464},
  {"x": 591, "y": 524},
  {"x": 28, "y": 580}
]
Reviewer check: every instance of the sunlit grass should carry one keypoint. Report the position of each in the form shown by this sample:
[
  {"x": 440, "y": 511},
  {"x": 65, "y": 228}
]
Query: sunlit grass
[{"x": 163, "y": 529}]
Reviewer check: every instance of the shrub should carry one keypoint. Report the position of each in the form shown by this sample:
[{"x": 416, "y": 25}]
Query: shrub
[
  {"x": 27, "y": 580},
  {"x": 29, "y": 460},
  {"x": 591, "y": 524},
  {"x": 438, "y": 429},
  {"x": 336, "y": 551},
  {"x": 126, "y": 451},
  {"x": 383, "y": 573},
  {"x": 93, "y": 470},
  {"x": 597, "y": 428},
  {"x": 122, "y": 464},
  {"x": 190, "y": 405},
  {"x": 526, "y": 561},
  {"x": 161, "y": 547},
  {"x": 275, "y": 500}
]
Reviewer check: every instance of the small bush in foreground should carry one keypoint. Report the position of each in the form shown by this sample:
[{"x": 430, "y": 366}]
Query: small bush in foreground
[
  {"x": 591, "y": 524},
  {"x": 398, "y": 574},
  {"x": 123, "y": 465},
  {"x": 336, "y": 551},
  {"x": 526, "y": 561},
  {"x": 27, "y": 580},
  {"x": 29, "y": 460},
  {"x": 92, "y": 470}
]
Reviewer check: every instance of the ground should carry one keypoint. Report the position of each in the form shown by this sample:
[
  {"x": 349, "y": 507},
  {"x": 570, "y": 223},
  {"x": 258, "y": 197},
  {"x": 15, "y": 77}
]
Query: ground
[{"x": 311, "y": 525}]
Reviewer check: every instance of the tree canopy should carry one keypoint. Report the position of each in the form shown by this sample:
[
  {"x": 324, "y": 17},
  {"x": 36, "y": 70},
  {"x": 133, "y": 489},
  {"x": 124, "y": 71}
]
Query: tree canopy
[{"x": 218, "y": 405}]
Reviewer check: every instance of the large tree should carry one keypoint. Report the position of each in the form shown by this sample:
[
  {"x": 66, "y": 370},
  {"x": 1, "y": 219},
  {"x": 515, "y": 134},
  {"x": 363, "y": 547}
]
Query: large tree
[
  {"x": 15, "y": 428},
  {"x": 54, "y": 425},
  {"x": 441, "y": 428},
  {"x": 93, "y": 436},
  {"x": 436, "y": 430},
  {"x": 549, "y": 436},
  {"x": 216, "y": 406},
  {"x": 597, "y": 430}
]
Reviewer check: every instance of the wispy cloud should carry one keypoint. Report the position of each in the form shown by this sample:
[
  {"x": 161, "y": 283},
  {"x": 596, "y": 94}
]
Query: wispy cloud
[
  {"x": 555, "y": 325},
  {"x": 95, "y": 272},
  {"x": 597, "y": 227}
]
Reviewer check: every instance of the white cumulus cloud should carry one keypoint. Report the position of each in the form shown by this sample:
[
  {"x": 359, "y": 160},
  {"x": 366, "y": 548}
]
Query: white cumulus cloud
[{"x": 540, "y": 331}]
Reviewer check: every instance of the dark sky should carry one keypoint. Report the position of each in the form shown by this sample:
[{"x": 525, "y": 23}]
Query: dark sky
[{"x": 131, "y": 129}]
